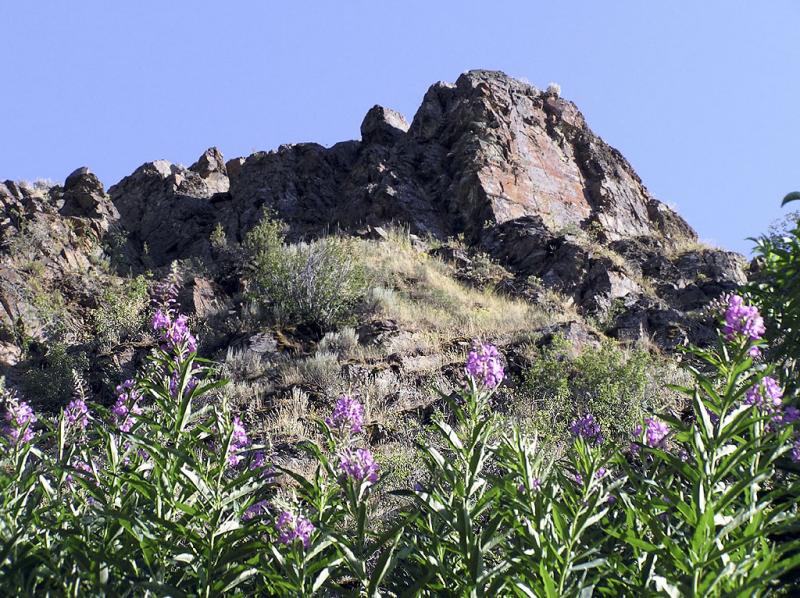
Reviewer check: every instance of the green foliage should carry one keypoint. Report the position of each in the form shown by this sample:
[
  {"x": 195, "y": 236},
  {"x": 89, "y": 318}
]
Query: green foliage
[
  {"x": 775, "y": 289},
  {"x": 701, "y": 518},
  {"x": 122, "y": 312},
  {"x": 162, "y": 508},
  {"x": 48, "y": 379},
  {"x": 607, "y": 381},
  {"x": 318, "y": 283},
  {"x": 218, "y": 238}
]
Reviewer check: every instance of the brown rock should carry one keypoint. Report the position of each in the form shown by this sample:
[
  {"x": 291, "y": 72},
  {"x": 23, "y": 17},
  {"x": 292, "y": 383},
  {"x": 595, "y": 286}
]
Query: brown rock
[
  {"x": 208, "y": 298},
  {"x": 10, "y": 354}
]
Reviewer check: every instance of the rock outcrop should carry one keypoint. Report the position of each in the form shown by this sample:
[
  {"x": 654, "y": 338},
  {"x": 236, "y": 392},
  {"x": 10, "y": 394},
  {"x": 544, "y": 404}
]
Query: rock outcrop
[{"x": 514, "y": 170}]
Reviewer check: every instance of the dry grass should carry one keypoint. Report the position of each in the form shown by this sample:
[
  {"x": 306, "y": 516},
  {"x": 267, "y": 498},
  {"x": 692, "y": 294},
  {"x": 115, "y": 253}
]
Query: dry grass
[
  {"x": 688, "y": 245},
  {"x": 422, "y": 295}
]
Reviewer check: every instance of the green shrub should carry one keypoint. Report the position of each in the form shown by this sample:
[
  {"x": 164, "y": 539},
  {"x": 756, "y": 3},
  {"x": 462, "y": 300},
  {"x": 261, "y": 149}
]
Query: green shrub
[
  {"x": 319, "y": 283},
  {"x": 49, "y": 380},
  {"x": 165, "y": 494},
  {"x": 608, "y": 381},
  {"x": 775, "y": 289},
  {"x": 122, "y": 313}
]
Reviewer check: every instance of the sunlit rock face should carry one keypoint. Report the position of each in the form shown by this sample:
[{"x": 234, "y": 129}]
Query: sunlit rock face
[
  {"x": 485, "y": 150},
  {"x": 513, "y": 170}
]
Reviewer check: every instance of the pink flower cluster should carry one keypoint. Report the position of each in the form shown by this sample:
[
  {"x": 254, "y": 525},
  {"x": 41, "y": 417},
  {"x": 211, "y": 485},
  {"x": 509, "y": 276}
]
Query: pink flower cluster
[
  {"x": 348, "y": 415},
  {"x": 293, "y": 527},
  {"x": 744, "y": 320},
  {"x": 77, "y": 414},
  {"x": 127, "y": 406},
  {"x": 359, "y": 465},
  {"x": 587, "y": 428},
  {"x": 766, "y": 395},
  {"x": 484, "y": 366},
  {"x": 655, "y": 432},
  {"x": 175, "y": 334},
  {"x": 239, "y": 440},
  {"x": 174, "y": 381},
  {"x": 19, "y": 419}
]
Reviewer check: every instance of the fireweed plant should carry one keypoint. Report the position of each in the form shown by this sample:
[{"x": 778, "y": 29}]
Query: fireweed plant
[{"x": 166, "y": 494}]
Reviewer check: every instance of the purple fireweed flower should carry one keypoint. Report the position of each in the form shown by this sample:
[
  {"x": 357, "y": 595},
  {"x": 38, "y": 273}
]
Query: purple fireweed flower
[
  {"x": 483, "y": 365},
  {"x": 587, "y": 428},
  {"x": 19, "y": 419},
  {"x": 790, "y": 415},
  {"x": 359, "y": 465},
  {"x": 178, "y": 334},
  {"x": 796, "y": 451},
  {"x": 655, "y": 431},
  {"x": 294, "y": 527},
  {"x": 536, "y": 485},
  {"x": 127, "y": 406},
  {"x": 77, "y": 413},
  {"x": 256, "y": 510},
  {"x": 744, "y": 320},
  {"x": 348, "y": 414},
  {"x": 239, "y": 440},
  {"x": 767, "y": 394},
  {"x": 160, "y": 320},
  {"x": 258, "y": 460},
  {"x": 165, "y": 293},
  {"x": 754, "y": 352},
  {"x": 175, "y": 334},
  {"x": 600, "y": 473}
]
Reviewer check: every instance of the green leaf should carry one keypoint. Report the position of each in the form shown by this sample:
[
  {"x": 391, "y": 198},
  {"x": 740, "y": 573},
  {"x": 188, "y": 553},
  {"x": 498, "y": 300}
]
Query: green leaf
[{"x": 793, "y": 196}]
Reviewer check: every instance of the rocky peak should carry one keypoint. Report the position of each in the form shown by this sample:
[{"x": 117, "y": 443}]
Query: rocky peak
[
  {"x": 514, "y": 170},
  {"x": 211, "y": 167},
  {"x": 169, "y": 211},
  {"x": 83, "y": 196},
  {"x": 383, "y": 126}
]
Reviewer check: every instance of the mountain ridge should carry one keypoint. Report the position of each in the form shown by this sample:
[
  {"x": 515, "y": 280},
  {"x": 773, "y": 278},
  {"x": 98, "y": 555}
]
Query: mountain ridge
[{"x": 513, "y": 171}]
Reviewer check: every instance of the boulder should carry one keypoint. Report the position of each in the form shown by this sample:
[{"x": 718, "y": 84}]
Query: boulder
[{"x": 383, "y": 126}]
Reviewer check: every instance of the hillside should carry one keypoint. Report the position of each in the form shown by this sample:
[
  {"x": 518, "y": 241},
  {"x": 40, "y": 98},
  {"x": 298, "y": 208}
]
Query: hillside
[{"x": 495, "y": 214}]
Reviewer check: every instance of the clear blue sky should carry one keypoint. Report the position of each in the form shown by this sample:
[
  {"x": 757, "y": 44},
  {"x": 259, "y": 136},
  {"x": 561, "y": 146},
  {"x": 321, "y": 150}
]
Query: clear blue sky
[{"x": 703, "y": 97}]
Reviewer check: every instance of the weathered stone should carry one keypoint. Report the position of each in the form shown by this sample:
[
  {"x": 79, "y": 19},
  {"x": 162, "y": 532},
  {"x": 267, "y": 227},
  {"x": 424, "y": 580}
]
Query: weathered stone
[
  {"x": 84, "y": 197},
  {"x": 169, "y": 210},
  {"x": 383, "y": 126},
  {"x": 233, "y": 167},
  {"x": 211, "y": 167},
  {"x": 10, "y": 354},
  {"x": 208, "y": 299},
  {"x": 577, "y": 334}
]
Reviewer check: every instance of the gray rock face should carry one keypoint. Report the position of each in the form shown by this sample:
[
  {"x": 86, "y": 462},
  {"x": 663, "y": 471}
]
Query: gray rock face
[
  {"x": 484, "y": 151},
  {"x": 84, "y": 197},
  {"x": 211, "y": 167},
  {"x": 488, "y": 149},
  {"x": 383, "y": 126},
  {"x": 169, "y": 211}
]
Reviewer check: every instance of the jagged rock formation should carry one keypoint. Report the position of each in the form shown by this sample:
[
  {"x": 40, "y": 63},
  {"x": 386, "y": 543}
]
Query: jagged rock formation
[{"x": 513, "y": 169}]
